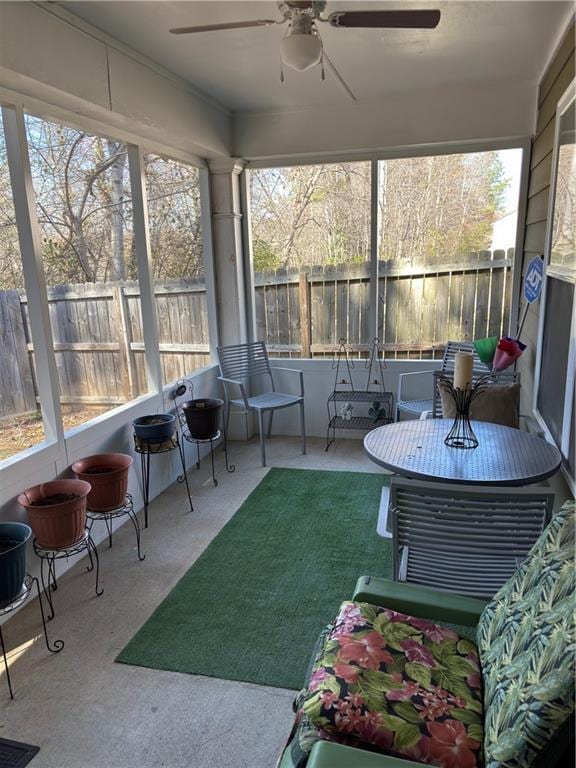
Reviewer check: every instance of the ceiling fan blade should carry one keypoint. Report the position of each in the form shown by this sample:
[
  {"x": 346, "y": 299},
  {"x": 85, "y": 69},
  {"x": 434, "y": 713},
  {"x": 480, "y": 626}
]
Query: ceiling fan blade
[
  {"x": 385, "y": 19},
  {"x": 217, "y": 27}
]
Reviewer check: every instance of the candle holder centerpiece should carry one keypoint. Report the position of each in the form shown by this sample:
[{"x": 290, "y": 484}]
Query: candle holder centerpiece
[
  {"x": 461, "y": 434},
  {"x": 463, "y": 391}
]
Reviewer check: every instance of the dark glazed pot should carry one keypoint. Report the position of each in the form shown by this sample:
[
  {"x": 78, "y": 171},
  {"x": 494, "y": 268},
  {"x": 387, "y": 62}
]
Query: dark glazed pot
[
  {"x": 107, "y": 473},
  {"x": 203, "y": 417},
  {"x": 13, "y": 540}
]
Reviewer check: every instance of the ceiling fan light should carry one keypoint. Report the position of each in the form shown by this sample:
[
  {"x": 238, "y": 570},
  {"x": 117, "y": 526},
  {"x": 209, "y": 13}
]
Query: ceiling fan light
[{"x": 301, "y": 52}]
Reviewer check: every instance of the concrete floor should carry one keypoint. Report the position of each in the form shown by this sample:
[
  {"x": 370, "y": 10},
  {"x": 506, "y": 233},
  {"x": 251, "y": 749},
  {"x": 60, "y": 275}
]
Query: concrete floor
[{"x": 85, "y": 711}]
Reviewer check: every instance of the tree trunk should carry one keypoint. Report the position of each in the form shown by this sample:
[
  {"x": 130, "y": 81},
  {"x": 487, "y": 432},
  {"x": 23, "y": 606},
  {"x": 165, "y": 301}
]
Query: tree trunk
[{"x": 118, "y": 271}]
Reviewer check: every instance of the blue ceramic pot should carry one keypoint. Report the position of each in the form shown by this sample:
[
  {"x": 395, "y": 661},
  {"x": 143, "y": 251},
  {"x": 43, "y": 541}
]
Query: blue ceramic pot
[
  {"x": 13, "y": 540},
  {"x": 156, "y": 427}
]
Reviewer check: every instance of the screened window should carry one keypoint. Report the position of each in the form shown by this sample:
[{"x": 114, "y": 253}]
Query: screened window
[
  {"x": 83, "y": 196},
  {"x": 447, "y": 232},
  {"x": 311, "y": 254},
  {"x": 173, "y": 190},
  {"x": 557, "y": 342},
  {"x": 445, "y": 229},
  {"x": 21, "y": 425}
]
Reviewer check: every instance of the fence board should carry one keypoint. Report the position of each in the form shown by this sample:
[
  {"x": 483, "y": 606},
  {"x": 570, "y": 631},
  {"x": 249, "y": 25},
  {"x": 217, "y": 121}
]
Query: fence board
[{"x": 16, "y": 383}]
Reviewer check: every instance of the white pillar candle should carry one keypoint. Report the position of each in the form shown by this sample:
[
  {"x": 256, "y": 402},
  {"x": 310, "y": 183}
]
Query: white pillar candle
[{"x": 463, "y": 367}]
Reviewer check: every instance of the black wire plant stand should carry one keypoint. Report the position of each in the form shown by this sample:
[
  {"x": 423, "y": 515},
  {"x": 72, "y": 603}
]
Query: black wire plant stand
[
  {"x": 184, "y": 391},
  {"x": 127, "y": 509},
  {"x": 380, "y": 402},
  {"x": 461, "y": 435},
  {"x": 148, "y": 448},
  {"x": 27, "y": 586},
  {"x": 48, "y": 558}
]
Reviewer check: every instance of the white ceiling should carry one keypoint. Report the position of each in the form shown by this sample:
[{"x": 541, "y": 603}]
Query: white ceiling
[{"x": 474, "y": 42}]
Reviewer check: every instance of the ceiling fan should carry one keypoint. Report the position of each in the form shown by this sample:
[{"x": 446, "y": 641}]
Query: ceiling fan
[{"x": 302, "y": 47}]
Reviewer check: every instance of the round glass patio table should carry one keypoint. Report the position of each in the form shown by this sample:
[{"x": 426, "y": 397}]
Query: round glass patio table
[{"x": 504, "y": 456}]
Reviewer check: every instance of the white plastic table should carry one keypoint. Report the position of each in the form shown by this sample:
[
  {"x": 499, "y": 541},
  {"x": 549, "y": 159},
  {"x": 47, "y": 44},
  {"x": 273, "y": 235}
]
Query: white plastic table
[{"x": 504, "y": 456}]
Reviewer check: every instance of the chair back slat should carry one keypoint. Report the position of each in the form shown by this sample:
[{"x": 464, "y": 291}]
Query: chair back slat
[{"x": 243, "y": 361}]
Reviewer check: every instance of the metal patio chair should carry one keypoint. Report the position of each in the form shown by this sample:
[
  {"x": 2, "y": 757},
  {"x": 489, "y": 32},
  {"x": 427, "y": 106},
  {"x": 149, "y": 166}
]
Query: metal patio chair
[
  {"x": 239, "y": 365},
  {"x": 416, "y": 407},
  {"x": 461, "y": 539}
]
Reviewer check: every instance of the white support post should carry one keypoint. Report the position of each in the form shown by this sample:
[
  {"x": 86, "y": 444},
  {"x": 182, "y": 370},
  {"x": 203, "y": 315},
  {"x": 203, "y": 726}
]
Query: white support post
[
  {"x": 248, "y": 255},
  {"x": 208, "y": 251},
  {"x": 145, "y": 269},
  {"x": 34, "y": 279},
  {"x": 374, "y": 247},
  {"x": 228, "y": 251}
]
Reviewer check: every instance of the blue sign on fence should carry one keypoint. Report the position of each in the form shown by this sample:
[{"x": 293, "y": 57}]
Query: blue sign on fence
[{"x": 533, "y": 279}]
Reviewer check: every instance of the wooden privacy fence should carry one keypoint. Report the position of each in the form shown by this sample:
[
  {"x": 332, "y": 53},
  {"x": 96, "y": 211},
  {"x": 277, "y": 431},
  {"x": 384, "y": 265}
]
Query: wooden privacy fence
[
  {"x": 303, "y": 312},
  {"x": 99, "y": 343}
]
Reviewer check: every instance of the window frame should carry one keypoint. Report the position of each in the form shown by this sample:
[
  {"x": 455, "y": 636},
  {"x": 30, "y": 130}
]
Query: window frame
[
  {"x": 523, "y": 143},
  {"x": 56, "y": 447},
  {"x": 564, "y": 103}
]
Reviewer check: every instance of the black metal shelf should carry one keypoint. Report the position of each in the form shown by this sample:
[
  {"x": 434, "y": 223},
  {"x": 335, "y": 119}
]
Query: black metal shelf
[
  {"x": 356, "y": 422},
  {"x": 360, "y": 396},
  {"x": 381, "y": 402}
]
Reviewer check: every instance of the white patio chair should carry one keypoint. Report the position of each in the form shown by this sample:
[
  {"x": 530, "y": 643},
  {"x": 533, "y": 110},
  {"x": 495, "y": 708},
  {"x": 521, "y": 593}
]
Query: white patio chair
[
  {"x": 463, "y": 539},
  {"x": 417, "y": 407},
  {"x": 241, "y": 363}
]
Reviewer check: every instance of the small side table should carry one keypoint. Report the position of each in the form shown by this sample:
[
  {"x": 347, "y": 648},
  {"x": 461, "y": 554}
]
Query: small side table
[
  {"x": 27, "y": 586},
  {"x": 126, "y": 509},
  {"x": 48, "y": 559},
  {"x": 147, "y": 448}
]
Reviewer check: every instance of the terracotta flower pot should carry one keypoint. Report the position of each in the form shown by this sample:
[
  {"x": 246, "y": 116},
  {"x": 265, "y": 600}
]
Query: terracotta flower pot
[
  {"x": 57, "y": 511},
  {"x": 13, "y": 540},
  {"x": 107, "y": 473}
]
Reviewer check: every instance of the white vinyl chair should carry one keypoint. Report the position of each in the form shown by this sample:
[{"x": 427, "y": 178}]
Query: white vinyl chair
[
  {"x": 239, "y": 365},
  {"x": 463, "y": 539}
]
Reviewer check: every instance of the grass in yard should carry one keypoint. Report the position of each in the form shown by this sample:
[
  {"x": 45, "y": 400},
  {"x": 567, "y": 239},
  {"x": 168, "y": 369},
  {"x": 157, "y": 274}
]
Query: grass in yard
[{"x": 22, "y": 431}]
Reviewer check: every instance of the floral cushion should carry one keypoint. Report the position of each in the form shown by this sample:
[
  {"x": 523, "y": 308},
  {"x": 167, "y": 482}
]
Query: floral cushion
[
  {"x": 397, "y": 684},
  {"x": 526, "y": 640}
]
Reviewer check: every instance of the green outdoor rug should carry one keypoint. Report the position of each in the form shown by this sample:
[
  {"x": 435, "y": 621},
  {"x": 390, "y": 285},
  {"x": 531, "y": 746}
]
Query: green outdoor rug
[{"x": 251, "y": 607}]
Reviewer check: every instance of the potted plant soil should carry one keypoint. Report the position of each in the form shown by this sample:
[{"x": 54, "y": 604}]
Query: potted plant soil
[
  {"x": 57, "y": 511},
  {"x": 203, "y": 417},
  {"x": 107, "y": 473},
  {"x": 13, "y": 540},
  {"x": 155, "y": 427}
]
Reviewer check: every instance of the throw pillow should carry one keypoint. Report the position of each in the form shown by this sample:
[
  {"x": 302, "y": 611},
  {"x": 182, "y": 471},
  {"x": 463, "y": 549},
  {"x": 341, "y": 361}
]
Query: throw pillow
[{"x": 497, "y": 404}]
